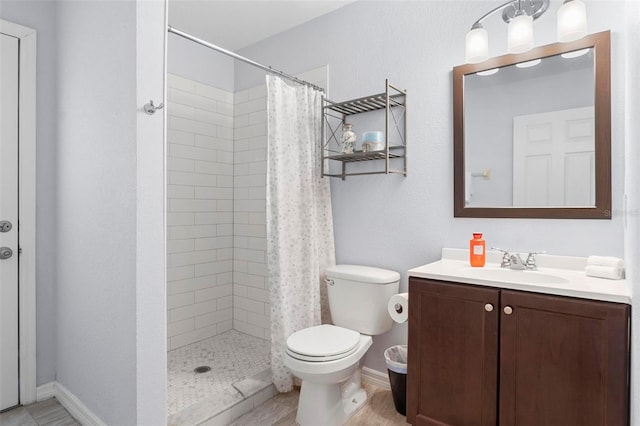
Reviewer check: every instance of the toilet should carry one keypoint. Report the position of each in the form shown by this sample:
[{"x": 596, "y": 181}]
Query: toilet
[{"x": 328, "y": 358}]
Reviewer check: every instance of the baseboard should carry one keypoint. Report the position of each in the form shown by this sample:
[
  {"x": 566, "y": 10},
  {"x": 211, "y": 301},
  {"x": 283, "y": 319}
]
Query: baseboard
[
  {"x": 46, "y": 391},
  {"x": 74, "y": 406},
  {"x": 376, "y": 378}
]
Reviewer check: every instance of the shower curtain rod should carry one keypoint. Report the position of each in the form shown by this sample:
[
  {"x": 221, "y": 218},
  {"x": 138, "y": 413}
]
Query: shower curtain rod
[{"x": 241, "y": 58}]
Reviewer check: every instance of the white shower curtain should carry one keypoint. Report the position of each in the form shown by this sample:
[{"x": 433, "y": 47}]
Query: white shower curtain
[{"x": 299, "y": 223}]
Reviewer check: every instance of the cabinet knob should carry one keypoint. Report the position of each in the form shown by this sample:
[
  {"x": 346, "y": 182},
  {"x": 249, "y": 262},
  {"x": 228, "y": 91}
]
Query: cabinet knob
[
  {"x": 508, "y": 310},
  {"x": 488, "y": 307}
]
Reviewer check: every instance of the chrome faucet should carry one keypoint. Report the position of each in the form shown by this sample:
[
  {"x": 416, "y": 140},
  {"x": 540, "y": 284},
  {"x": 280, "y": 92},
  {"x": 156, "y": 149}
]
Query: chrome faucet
[
  {"x": 506, "y": 257},
  {"x": 530, "y": 263},
  {"x": 514, "y": 261},
  {"x": 517, "y": 263}
]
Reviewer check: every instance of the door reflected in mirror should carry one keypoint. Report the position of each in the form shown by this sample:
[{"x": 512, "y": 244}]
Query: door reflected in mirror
[
  {"x": 532, "y": 125},
  {"x": 532, "y": 133}
]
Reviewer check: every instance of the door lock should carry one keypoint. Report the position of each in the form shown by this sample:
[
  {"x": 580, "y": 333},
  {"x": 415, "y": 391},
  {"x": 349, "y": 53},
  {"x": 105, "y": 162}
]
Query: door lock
[
  {"x": 5, "y": 226},
  {"x": 5, "y": 253}
]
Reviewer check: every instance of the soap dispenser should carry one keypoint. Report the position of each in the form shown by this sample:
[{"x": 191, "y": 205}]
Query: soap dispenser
[{"x": 477, "y": 255}]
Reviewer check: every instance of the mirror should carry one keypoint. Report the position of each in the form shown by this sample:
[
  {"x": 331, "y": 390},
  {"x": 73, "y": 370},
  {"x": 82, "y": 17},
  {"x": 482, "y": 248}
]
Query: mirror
[{"x": 532, "y": 133}]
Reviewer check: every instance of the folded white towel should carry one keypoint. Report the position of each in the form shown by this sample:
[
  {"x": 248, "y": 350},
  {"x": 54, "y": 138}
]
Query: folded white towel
[
  {"x": 614, "y": 262},
  {"x": 608, "y": 272}
]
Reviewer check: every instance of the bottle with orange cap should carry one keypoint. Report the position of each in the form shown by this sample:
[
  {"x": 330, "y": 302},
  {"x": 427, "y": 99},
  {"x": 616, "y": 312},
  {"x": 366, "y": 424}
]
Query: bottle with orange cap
[{"x": 477, "y": 255}]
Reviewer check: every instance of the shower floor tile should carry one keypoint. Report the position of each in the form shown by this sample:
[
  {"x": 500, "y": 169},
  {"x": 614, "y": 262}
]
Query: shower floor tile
[{"x": 232, "y": 356}]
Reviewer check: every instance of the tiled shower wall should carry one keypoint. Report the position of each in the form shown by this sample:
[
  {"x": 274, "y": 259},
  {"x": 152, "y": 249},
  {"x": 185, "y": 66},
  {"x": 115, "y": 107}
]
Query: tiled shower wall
[
  {"x": 199, "y": 211},
  {"x": 216, "y": 190},
  {"x": 251, "y": 308}
]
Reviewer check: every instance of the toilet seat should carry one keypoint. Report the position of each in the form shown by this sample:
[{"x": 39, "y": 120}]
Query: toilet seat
[{"x": 322, "y": 343}]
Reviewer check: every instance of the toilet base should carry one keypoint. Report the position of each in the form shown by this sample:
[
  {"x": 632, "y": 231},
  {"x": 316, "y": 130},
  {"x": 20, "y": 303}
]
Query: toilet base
[
  {"x": 328, "y": 405},
  {"x": 353, "y": 404}
]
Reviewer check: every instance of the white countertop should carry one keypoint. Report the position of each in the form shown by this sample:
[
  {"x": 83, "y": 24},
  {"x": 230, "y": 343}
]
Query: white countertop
[{"x": 568, "y": 270}]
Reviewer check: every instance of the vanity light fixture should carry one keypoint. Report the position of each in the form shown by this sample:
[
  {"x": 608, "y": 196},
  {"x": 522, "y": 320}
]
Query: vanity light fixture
[
  {"x": 572, "y": 21},
  {"x": 520, "y": 33},
  {"x": 519, "y": 15},
  {"x": 477, "y": 44}
]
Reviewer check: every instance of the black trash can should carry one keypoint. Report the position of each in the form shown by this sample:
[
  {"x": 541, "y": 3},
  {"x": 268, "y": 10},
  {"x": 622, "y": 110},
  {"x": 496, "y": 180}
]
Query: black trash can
[{"x": 396, "y": 358}]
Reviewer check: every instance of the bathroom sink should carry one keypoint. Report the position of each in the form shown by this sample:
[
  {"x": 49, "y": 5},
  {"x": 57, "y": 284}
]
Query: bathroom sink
[{"x": 512, "y": 276}]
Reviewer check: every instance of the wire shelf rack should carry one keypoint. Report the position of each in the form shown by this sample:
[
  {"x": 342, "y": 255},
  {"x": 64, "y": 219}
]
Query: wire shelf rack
[{"x": 394, "y": 103}]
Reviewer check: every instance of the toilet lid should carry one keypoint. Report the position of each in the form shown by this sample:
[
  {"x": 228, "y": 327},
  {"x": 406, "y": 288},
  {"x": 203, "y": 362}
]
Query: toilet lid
[{"x": 323, "y": 341}]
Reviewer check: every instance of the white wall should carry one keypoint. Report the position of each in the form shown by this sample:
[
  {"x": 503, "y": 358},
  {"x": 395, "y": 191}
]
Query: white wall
[
  {"x": 151, "y": 295},
  {"x": 200, "y": 211},
  {"x": 41, "y": 15},
  {"x": 196, "y": 62},
  {"x": 415, "y": 45},
  {"x": 110, "y": 256},
  {"x": 632, "y": 192},
  {"x": 97, "y": 321},
  {"x": 96, "y": 251}
]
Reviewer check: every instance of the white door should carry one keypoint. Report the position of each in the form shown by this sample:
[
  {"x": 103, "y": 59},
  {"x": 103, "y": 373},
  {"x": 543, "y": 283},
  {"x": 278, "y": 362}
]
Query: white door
[
  {"x": 554, "y": 158},
  {"x": 9, "y": 355}
]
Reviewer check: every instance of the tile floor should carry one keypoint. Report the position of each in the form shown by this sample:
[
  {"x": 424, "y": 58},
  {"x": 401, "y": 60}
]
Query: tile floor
[
  {"x": 234, "y": 359},
  {"x": 44, "y": 413}
]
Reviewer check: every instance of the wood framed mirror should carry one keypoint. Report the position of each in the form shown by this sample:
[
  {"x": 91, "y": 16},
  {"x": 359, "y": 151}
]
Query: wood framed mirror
[{"x": 532, "y": 133}]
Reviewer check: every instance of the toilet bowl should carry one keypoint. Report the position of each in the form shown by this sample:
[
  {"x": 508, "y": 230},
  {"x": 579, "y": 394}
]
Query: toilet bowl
[
  {"x": 329, "y": 358},
  {"x": 331, "y": 390}
]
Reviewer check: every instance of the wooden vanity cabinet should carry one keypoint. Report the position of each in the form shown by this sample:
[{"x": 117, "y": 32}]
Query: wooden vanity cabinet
[
  {"x": 452, "y": 370},
  {"x": 487, "y": 356}
]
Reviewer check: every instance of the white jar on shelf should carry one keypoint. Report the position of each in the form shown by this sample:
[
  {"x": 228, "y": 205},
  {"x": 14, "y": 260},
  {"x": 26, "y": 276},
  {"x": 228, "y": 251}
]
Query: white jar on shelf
[{"x": 348, "y": 139}]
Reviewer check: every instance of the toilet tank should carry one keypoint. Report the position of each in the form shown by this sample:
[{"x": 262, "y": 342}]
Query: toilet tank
[{"x": 358, "y": 297}]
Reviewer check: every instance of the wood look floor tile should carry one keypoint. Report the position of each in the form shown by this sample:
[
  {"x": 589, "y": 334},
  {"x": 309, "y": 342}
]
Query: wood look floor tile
[
  {"x": 66, "y": 421},
  {"x": 17, "y": 417},
  {"x": 272, "y": 411},
  {"x": 277, "y": 411},
  {"x": 47, "y": 409},
  {"x": 44, "y": 413},
  {"x": 288, "y": 420},
  {"x": 379, "y": 409},
  {"x": 280, "y": 410}
]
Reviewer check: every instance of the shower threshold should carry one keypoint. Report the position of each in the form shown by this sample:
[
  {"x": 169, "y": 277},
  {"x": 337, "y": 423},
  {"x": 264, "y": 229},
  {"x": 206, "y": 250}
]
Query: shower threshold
[
  {"x": 251, "y": 392},
  {"x": 240, "y": 379}
]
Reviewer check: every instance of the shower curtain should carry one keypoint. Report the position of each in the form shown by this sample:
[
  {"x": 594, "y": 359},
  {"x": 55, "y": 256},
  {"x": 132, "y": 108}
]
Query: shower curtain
[{"x": 300, "y": 241}]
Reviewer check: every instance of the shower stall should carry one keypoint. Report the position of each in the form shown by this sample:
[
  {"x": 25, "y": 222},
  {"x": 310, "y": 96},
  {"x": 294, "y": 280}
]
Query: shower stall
[
  {"x": 218, "y": 330},
  {"x": 218, "y": 301}
]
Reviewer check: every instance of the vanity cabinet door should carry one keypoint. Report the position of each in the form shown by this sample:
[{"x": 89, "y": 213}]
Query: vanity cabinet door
[
  {"x": 453, "y": 354},
  {"x": 563, "y": 361}
]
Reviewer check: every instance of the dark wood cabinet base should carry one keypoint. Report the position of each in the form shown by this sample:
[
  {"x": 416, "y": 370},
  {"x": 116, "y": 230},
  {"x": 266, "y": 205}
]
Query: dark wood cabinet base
[{"x": 486, "y": 356}]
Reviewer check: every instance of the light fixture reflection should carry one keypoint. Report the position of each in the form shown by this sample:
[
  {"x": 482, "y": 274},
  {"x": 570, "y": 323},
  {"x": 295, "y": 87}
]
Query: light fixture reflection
[
  {"x": 528, "y": 64},
  {"x": 485, "y": 73},
  {"x": 575, "y": 53}
]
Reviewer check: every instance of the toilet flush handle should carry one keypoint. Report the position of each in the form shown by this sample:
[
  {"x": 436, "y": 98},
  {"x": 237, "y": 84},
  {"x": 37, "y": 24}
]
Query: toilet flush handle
[{"x": 329, "y": 281}]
